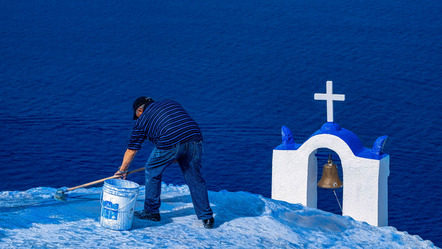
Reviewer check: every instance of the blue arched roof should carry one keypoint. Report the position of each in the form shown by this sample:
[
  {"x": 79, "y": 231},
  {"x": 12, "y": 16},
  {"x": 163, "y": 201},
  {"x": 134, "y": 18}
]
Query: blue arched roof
[{"x": 349, "y": 138}]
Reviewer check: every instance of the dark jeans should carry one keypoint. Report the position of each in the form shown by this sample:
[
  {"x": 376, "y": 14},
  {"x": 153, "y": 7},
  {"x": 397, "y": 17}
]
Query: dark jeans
[{"x": 188, "y": 156}]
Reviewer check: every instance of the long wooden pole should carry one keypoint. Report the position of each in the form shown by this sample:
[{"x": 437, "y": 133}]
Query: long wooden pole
[{"x": 102, "y": 180}]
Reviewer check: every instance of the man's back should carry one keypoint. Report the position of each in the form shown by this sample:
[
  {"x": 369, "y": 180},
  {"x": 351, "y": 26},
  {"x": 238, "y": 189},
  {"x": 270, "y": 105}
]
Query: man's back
[{"x": 165, "y": 123}]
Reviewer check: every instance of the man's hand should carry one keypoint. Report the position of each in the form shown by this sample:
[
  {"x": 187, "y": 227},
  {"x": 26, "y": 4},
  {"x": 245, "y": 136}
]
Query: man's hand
[{"x": 121, "y": 174}]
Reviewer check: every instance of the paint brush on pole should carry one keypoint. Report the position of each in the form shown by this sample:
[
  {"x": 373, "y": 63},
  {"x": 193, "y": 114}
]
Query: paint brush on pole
[{"x": 60, "y": 194}]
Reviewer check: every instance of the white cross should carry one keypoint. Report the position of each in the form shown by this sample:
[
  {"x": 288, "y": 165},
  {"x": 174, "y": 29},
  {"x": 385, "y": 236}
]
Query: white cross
[{"x": 330, "y": 97}]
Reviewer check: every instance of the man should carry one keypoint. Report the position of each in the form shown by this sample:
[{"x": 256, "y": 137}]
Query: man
[{"x": 176, "y": 137}]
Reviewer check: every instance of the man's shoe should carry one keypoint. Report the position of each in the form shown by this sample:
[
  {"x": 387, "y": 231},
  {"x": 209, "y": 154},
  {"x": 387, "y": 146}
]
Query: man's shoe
[
  {"x": 209, "y": 223},
  {"x": 147, "y": 216}
]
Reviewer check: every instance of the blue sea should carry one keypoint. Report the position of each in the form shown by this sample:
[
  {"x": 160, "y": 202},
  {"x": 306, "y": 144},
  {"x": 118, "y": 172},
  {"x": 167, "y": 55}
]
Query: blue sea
[{"x": 70, "y": 71}]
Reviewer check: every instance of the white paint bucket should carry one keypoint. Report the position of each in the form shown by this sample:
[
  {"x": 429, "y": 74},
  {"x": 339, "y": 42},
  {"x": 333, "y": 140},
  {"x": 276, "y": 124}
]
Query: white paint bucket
[{"x": 118, "y": 201}]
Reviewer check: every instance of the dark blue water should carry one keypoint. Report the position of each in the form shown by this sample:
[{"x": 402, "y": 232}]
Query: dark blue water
[{"x": 70, "y": 71}]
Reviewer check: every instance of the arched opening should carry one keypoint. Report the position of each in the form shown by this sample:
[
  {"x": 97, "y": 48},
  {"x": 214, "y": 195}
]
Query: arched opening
[{"x": 327, "y": 199}]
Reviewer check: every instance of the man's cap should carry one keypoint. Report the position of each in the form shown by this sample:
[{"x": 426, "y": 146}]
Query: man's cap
[{"x": 139, "y": 102}]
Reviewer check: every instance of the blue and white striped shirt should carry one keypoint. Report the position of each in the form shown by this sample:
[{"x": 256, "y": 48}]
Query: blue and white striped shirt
[{"x": 165, "y": 123}]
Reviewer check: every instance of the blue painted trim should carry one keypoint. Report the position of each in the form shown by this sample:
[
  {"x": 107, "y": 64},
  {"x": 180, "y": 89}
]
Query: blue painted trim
[
  {"x": 288, "y": 147},
  {"x": 288, "y": 142},
  {"x": 347, "y": 136}
]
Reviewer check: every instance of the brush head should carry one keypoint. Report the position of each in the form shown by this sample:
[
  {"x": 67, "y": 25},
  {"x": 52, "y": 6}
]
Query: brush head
[{"x": 59, "y": 195}]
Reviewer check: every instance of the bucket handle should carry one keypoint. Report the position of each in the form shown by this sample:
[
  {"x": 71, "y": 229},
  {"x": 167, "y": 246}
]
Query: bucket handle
[{"x": 116, "y": 210}]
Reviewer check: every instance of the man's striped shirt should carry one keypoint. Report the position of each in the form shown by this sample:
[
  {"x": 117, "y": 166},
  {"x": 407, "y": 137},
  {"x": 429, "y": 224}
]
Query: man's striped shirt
[{"x": 165, "y": 123}]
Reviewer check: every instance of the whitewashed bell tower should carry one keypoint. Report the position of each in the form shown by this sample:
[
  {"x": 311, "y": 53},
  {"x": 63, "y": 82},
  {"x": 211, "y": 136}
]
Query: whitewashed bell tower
[{"x": 365, "y": 171}]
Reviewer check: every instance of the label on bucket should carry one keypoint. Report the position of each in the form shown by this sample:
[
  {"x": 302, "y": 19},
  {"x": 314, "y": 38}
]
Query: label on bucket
[{"x": 110, "y": 210}]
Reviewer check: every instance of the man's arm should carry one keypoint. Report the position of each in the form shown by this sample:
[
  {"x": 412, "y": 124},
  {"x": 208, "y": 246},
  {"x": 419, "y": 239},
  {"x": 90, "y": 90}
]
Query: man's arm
[{"x": 127, "y": 159}]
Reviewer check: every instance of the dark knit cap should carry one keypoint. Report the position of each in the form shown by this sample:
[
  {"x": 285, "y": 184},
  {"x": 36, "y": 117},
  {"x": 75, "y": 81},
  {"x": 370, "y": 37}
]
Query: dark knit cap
[{"x": 139, "y": 102}]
